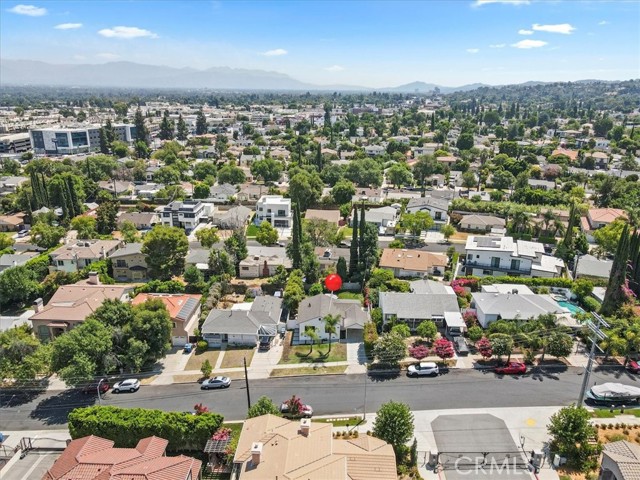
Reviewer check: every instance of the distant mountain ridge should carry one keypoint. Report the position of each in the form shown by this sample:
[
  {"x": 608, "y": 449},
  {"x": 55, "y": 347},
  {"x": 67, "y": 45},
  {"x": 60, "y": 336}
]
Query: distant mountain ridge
[{"x": 135, "y": 75}]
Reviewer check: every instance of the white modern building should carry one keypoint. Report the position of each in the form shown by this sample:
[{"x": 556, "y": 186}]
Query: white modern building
[
  {"x": 71, "y": 140},
  {"x": 187, "y": 214},
  {"x": 500, "y": 256},
  {"x": 275, "y": 209}
]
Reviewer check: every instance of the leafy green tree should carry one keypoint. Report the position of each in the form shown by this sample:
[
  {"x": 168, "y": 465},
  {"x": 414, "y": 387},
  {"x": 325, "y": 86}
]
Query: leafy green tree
[
  {"x": 608, "y": 237},
  {"x": 389, "y": 349},
  {"x": 142, "y": 133},
  {"x": 559, "y": 345},
  {"x": 165, "y": 249},
  {"x": 330, "y": 323},
  {"x": 182, "y": 129},
  {"x": 394, "y": 425},
  {"x": 18, "y": 285},
  {"x": 264, "y": 406},
  {"x": 502, "y": 180},
  {"x": 343, "y": 191},
  {"x": 427, "y": 330},
  {"x": 321, "y": 233},
  {"x": 152, "y": 325},
  {"x": 475, "y": 333},
  {"x": 401, "y": 329},
  {"x": 571, "y": 433},
  {"x": 21, "y": 354},
  {"x": 6, "y": 241},
  {"x": 341, "y": 268},
  {"x": 447, "y": 230},
  {"x": 201, "y": 123},
  {"x": 267, "y": 235},
  {"x": 206, "y": 368},
  {"x": 465, "y": 141},
  {"x": 204, "y": 169},
  {"x": 399, "y": 174},
  {"x": 129, "y": 231},
  {"x": 310, "y": 331},
  {"x": 231, "y": 174},
  {"x": 501, "y": 344},
  {"x": 294, "y": 291},
  {"x": 294, "y": 248},
  {"x": 469, "y": 179},
  {"x": 85, "y": 226},
  {"x": 305, "y": 189},
  {"x": 236, "y": 247},
  {"x": 106, "y": 216},
  {"x": 583, "y": 288},
  {"x": 268, "y": 169},
  {"x": 616, "y": 294},
  {"x": 220, "y": 263},
  {"x": 208, "y": 236},
  {"x": 416, "y": 222},
  {"x": 364, "y": 172},
  {"x": 46, "y": 236},
  {"x": 167, "y": 127}
]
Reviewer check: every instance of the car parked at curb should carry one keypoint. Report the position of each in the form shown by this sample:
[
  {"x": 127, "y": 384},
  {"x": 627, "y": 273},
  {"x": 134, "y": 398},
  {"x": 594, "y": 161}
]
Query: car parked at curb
[
  {"x": 92, "y": 387},
  {"x": 633, "y": 366},
  {"x": 128, "y": 385},
  {"x": 511, "y": 368},
  {"x": 215, "y": 382},
  {"x": 423, "y": 369}
]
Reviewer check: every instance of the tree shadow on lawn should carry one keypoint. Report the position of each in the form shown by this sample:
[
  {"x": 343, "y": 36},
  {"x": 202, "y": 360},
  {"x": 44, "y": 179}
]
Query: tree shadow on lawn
[{"x": 55, "y": 410}]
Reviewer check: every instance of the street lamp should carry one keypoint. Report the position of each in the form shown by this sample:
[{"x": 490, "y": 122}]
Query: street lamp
[{"x": 99, "y": 397}]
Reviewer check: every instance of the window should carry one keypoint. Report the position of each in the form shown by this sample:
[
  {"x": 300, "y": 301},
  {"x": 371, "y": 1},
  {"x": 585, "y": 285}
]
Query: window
[
  {"x": 60, "y": 263},
  {"x": 245, "y": 268},
  {"x": 281, "y": 213},
  {"x": 495, "y": 262},
  {"x": 121, "y": 264},
  {"x": 487, "y": 272},
  {"x": 173, "y": 324},
  {"x": 515, "y": 264},
  {"x": 438, "y": 216},
  {"x": 470, "y": 257}
]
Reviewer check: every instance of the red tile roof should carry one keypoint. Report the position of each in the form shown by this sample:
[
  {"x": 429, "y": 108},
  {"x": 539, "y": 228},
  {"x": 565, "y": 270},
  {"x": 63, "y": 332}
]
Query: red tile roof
[{"x": 94, "y": 458}]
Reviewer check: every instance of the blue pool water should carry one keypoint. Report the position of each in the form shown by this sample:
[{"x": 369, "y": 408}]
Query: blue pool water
[{"x": 572, "y": 307}]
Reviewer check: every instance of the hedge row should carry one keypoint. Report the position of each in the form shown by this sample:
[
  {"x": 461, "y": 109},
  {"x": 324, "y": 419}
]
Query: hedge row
[
  {"x": 127, "y": 426},
  {"x": 530, "y": 282}
]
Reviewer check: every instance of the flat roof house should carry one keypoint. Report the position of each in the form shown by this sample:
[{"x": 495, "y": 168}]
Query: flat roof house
[
  {"x": 187, "y": 214},
  {"x": 274, "y": 209},
  {"x": 412, "y": 263},
  {"x": 490, "y": 307},
  {"x": 271, "y": 447}
]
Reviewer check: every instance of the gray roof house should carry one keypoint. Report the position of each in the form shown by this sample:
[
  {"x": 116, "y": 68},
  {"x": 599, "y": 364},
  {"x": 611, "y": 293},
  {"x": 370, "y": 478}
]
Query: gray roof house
[
  {"x": 244, "y": 324},
  {"x": 481, "y": 223},
  {"x": 233, "y": 218},
  {"x": 620, "y": 461},
  {"x": 223, "y": 192},
  {"x": 414, "y": 308},
  {"x": 312, "y": 310},
  {"x": 437, "y": 208},
  {"x": 490, "y": 307},
  {"x": 9, "y": 260},
  {"x": 591, "y": 267}
]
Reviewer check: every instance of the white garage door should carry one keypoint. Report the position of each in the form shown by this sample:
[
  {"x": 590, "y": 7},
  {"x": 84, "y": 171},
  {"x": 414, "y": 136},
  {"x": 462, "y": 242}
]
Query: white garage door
[{"x": 178, "y": 341}]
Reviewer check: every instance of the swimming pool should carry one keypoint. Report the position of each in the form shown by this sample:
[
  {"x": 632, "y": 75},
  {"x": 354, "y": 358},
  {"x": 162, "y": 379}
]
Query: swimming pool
[{"x": 572, "y": 307}]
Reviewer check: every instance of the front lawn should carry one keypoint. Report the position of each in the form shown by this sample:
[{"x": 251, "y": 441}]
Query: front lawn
[
  {"x": 233, "y": 357},
  {"x": 196, "y": 359},
  {"x": 320, "y": 353},
  {"x": 288, "y": 372},
  {"x": 350, "y": 296},
  {"x": 252, "y": 230}
]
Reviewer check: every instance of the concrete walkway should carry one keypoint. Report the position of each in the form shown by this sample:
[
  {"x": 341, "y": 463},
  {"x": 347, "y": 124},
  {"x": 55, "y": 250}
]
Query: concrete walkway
[{"x": 175, "y": 361}]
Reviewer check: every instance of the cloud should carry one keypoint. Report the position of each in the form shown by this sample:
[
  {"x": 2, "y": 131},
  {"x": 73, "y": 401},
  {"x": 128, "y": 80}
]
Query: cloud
[
  {"x": 473, "y": 50},
  {"x": 30, "y": 10},
  {"x": 277, "y": 52},
  {"x": 563, "y": 28},
  {"x": 522, "y": 31},
  {"x": 480, "y": 3},
  {"x": 108, "y": 56},
  {"x": 529, "y": 44},
  {"x": 498, "y": 45},
  {"x": 126, "y": 32},
  {"x": 79, "y": 57},
  {"x": 68, "y": 26},
  {"x": 604, "y": 22},
  {"x": 334, "y": 68}
]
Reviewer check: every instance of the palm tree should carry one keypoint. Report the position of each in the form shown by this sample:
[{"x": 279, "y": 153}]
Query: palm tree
[
  {"x": 520, "y": 222},
  {"x": 547, "y": 218},
  {"x": 330, "y": 322},
  {"x": 559, "y": 228},
  {"x": 310, "y": 331}
]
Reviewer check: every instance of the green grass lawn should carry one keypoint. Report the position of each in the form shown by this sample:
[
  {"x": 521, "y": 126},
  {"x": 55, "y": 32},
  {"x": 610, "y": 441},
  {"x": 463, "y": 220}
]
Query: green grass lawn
[
  {"x": 605, "y": 413},
  {"x": 350, "y": 296},
  {"x": 348, "y": 233},
  {"x": 320, "y": 354},
  {"x": 252, "y": 230}
]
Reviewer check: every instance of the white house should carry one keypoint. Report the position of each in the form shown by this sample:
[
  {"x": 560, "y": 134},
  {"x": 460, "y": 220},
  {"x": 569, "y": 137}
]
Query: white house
[
  {"x": 436, "y": 207},
  {"x": 490, "y": 307},
  {"x": 73, "y": 257},
  {"x": 312, "y": 310},
  {"x": 276, "y": 210},
  {"x": 500, "y": 256},
  {"x": 374, "y": 150},
  {"x": 187, "y": 214}
]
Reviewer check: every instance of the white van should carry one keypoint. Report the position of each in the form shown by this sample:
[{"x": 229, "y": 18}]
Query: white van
[{"x": 423, "y": 368}]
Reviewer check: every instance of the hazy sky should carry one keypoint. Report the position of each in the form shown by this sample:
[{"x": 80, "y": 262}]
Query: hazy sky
[{"x": 372, "y": 44}]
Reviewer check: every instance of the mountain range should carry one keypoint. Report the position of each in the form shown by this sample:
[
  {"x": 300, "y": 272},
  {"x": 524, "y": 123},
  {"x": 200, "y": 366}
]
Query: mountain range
[{"x": 136, "y": 75}]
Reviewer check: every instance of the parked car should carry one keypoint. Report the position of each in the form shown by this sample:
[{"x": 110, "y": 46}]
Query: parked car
[
  {"x": 128, "y": 385},
  {"x": 188, "y": 347},
  {"x": 23, "y": 233},
  {"x": 423, "y": 369},
  {"x": 512, "y": 368},
  {"x": 92, "y": 387},
  {"x": 633, "y": 366},
  {"x": 305, "y": 411},
  {"x": 460, "y": 345},
  {"x": 215, "y": 382}
]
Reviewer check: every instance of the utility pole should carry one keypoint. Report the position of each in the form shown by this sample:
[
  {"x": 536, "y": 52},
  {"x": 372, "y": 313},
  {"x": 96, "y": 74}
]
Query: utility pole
[
  {"x": 246, "y": 381},
  {"x": 364, "y": 409},
  {"x": 598, "y": 334}
]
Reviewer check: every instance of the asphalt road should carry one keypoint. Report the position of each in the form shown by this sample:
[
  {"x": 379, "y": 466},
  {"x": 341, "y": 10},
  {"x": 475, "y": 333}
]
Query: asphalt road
[{"x": 329, "y": 395}]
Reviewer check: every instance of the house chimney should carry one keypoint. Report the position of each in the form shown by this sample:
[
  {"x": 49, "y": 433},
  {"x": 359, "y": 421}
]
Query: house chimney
[
  {"x": 93, "y": 279},
  {"x": 38, "y": 305},
  {"x": 256, "y": 453},
  {"x": 305, "y": 426}
]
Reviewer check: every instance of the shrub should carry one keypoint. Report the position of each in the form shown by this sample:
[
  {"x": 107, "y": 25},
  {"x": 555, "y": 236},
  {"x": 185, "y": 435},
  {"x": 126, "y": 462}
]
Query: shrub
[
  {"x": 370, "y": 335},
  {"x": 402, "y": 329},
  {"x": 419, "y": 352},
  {"x": 202, "y": 346},
  {"x": 590, "y": 304},
  {"x": 127, "y": 426}
]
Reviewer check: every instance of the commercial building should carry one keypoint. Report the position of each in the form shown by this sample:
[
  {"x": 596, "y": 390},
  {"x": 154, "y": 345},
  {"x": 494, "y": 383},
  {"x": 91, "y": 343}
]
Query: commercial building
[
  {"x": 15, "y": 143},
  {"x": 70, "y": 140}
]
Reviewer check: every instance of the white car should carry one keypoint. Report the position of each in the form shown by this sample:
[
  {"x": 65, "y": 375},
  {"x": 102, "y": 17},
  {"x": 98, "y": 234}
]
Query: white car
[
  {"x": 423, "y": 369},
  {"x": 128, "y": 385}
]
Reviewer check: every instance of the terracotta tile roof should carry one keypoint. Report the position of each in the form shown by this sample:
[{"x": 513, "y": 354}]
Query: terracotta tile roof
[
  {"x": 94, "y": 458},
  {"x": 180, "y": 306},
  {"x": 605, "y": 215},
  {"x": 416, "y": 260}
]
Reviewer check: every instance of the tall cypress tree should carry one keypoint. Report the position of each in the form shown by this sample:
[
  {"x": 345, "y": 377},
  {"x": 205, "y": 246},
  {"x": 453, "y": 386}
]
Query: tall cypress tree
[
  {"x": 166, "y": 127},
  {"x": 614, "y": 296},
  {"x": 361, "y": 250},
  {"x": 295, "y": 251},
  {"x": 104, "y": 144},
  {"x": 319, "y": 157},
  {"x": 353, "y": 251},
  {"x": 634, "y": 262},
  {"x": 183, "y": 131},
  {"x": 141, "y": 129},
  {"x": 201, "y": 123}
]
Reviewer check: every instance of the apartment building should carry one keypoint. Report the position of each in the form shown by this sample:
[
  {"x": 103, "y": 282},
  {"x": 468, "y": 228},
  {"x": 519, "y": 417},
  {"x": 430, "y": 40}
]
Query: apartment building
[
  {"x": 275, "y": 209},
  {"x": 187, "y": 214}
]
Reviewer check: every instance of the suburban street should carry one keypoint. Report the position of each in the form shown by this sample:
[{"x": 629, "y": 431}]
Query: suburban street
[{"x": 329, "y": 395}]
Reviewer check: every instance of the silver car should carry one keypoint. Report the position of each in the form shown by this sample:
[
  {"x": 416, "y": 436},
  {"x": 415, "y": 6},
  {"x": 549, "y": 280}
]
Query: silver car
[
  {"x": 216, "y": 382},
  {"x": 128, "y": 385}
]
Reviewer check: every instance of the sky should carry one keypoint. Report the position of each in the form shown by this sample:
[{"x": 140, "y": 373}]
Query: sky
[{"x": 339, "y": 42}]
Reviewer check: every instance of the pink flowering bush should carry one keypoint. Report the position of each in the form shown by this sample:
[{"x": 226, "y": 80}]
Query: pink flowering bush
[
  {"x": 443, "y": 348},
  {"x": 470, "y": 318},
  {"x": 484, "y": 347},
  {"x": 419, "y": 351},
  {"x": 222, "y": 434}
]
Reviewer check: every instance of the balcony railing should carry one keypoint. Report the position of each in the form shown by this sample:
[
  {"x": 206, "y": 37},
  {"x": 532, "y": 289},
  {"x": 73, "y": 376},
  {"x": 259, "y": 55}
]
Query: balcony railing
[{"x": 501, "y": 268}]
